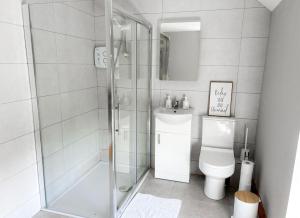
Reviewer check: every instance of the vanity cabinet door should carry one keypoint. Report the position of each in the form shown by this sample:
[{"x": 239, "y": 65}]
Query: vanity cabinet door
[{"x": 172, "y": 156}]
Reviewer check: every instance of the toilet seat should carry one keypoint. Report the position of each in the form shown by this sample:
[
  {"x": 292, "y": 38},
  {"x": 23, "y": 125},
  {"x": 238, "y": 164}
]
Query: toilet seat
[{"x": 216, "y": 162}]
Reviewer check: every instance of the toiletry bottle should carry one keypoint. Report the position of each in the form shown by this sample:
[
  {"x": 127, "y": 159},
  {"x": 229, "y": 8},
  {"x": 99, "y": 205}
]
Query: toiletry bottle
[
  {"x": 185, "y": 104},
  {"x": 168, "y": 102}
]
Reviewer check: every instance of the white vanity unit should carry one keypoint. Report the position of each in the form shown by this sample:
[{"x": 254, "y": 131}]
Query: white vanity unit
[{"x": 172, "y": 144}]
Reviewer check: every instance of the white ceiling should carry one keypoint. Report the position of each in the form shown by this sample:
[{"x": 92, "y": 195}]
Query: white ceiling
[{"x": 270, "y": 4}]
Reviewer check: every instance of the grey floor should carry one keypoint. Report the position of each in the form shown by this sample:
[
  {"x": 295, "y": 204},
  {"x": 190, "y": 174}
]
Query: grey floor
[{"x": 194, "y": 202}]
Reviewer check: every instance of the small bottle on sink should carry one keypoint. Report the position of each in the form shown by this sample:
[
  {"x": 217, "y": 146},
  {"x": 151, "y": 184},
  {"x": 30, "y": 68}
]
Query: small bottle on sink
[
  {"x": 168, "y": 102},
  {"x": 185, "y": 103}
]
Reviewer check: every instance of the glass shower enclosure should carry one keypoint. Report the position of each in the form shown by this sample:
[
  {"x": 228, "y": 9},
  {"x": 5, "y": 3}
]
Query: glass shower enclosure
[{"x": 90, "y": 74}]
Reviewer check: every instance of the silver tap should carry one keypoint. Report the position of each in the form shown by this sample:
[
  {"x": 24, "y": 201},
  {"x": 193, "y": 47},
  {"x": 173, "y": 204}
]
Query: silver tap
[{"x": 176, "y": 105}]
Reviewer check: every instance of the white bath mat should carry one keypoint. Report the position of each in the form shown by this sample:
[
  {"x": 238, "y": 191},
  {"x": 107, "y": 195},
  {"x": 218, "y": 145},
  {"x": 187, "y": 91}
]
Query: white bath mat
[{"x": 149, "y": 206}]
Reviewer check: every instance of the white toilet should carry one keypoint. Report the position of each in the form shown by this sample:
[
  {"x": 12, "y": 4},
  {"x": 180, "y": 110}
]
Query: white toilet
[{"x": 217, "y": 157}]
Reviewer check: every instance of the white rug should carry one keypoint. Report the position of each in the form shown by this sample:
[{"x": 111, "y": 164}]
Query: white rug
[{"x": 149, "y": 206}]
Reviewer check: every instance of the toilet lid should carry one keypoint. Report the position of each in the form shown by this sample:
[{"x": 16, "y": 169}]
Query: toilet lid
[{"x": 217, "y": 157}]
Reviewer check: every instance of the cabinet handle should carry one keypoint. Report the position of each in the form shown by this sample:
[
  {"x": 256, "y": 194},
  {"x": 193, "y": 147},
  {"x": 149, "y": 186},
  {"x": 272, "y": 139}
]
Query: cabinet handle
[{"x": 158, "y": 139}]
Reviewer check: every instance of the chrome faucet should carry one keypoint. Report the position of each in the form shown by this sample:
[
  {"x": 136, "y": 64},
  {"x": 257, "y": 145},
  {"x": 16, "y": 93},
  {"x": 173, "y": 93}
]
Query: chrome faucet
[{"x": 176, "y": 105}]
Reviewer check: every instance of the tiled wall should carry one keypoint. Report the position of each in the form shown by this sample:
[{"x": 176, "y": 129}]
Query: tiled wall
[
  {"x": 233, "y": 45},
  {"x": 63, "y": 35},
  {"x": 19, "y": 190}
]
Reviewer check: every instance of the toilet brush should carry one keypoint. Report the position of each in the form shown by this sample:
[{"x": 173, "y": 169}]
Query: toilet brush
[{"x": 245, "y": 151}]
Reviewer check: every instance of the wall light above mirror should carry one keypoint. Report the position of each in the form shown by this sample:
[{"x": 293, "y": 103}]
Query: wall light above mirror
[{"x": 179, "y": 49}]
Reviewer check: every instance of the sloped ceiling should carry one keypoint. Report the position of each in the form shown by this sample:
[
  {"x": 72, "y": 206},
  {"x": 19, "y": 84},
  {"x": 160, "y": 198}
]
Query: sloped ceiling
[{"x": 270, "y": 4}]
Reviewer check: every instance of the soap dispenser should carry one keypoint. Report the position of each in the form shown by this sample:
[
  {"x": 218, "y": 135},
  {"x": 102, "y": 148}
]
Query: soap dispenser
[
  {"x": 168, "y": 102},
  {"x": 185, "y": 103}
]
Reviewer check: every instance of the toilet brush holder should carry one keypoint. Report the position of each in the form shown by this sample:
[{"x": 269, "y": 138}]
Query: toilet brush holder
[{"x": 245, "y": 152}]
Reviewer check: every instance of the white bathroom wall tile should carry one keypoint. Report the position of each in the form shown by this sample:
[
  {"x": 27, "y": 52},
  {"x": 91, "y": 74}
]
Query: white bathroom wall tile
[
  {"x": 42, "y": 16},
  {"x": 78, "y": 102},
  {"x": 143, "y": 52},
  {"x": 50, "y": 110},
  {"x": 205, "y": 75},
  {"x": 155, "y": 99},
  {"x": 16, "y": 155},
  {"x": 102, "y": 77},
  {"x": 51, "y": 139},
  {"x": 11, "y": 12},
  {"x": 239, "y": 146},
  {"x": 103, "y": 97},
  {"x": 103, "y": 119},
  {"x": 73, "y": 22},
  {"x": 196, "y": 126},
  {"x": 100, "y": 32},
  {"x": 142, "y": 122},
  {"x": 124, "y": 76},
  {"x": 14, "y": 82},
  {"x": 84, "y": 6},
  {"x": 250, "y": 79},
  {"x": 155, "y": 52},
  {"x": 79, "y": 126},
  {"x": 16, "y": 120},
  {"x": 44, "y": 46},
  {"x": 253, "y": 52},
  {"x": 233, "y": 104},
  {"x": 142, "y": 99},
  {"x": 99, "y": 8},
  {"x": 12, "y": 44},
  {"x": 156, "y": 83},
  {"x": 54, "y": 167},
  {"x": 240, "y": 130},
  {"x": 143, "y": 74},
  {"x": 152, "y": 161},
  {"x": 18, "y": 189},
  {"x": 256, "y": 22},
  {"x": 221, "y": 24},
  {"x": 127, "y": 98},
  {"x": 219, "y": 52},
  {"x": 104, "y": 138},
  {"x": 253, "y": 4},
  {"x": 145, "y": 6},
  {"x": 179, "y": 85},
  {"x": 31, "y": 207},
  {"x": 80, "y": 151},
  {"x": 216, "y": 73},
  {"x": 76, "y": 77},
  {"x": 196, "y": 5},
  {"x": 247, "y": 106},
  {"x": 74, "y": 50},
  {"x": 195, "y": 149},
  {"x": 47, "y": 79},
  {"x": 57, "y": 187}
]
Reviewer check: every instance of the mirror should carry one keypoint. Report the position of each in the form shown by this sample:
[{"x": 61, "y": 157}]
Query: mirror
[{"x": 179, "y": 49}]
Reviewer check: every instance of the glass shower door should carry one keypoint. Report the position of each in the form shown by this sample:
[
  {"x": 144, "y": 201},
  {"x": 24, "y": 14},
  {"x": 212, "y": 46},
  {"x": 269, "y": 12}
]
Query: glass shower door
[
  {"x": 124, "y": 31},
  {"x": 143, "y": 99},
  {"x": 132, "y": 103}
]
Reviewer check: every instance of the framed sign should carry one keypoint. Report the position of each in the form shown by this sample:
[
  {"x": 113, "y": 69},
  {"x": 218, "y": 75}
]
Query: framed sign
[{"x": 220, "y": 95}]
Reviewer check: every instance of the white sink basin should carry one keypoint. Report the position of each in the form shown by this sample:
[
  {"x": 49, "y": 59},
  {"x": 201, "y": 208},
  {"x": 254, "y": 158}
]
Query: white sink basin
[{"x": 173, "y": 116}]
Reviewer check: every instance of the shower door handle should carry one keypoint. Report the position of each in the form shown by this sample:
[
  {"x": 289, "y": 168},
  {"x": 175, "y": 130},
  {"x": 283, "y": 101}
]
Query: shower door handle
[{"x": 118, "y": 120}]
